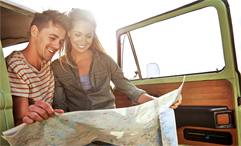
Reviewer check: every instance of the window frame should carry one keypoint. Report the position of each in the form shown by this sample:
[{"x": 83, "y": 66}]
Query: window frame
[{"x": 225, "y": 28}]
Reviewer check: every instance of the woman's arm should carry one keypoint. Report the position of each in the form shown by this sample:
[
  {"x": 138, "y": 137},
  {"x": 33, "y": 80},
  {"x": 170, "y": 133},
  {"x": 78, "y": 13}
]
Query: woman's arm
[
  {"x": 146, "y": 97},
  {"x": 59, "y": 100},
  {"x": 124, "y": 85}
]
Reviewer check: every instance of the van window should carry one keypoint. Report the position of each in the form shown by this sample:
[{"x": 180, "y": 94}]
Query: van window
[
  {"x": 18, "y": 47},
  {"x": 129, "y": 68},
  {"x": 186, "y": 44}
]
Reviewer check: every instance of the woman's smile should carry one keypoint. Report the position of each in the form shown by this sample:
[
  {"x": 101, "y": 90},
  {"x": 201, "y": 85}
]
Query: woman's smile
[{"x": 81, "y": 46}]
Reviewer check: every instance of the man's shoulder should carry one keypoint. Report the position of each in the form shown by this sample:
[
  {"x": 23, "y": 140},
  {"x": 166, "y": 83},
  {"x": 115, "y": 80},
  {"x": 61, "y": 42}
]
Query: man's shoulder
[
  {"x": 14, "y": 58},
  {"x": 15, "y": 55},
  {"x": 16, "y": 64}
]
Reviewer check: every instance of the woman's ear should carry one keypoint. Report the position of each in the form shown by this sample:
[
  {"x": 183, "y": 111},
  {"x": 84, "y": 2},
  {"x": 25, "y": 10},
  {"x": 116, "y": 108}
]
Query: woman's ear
[
  {"x": 34, "y": 30},
  {"x": 68, "y": 34}
]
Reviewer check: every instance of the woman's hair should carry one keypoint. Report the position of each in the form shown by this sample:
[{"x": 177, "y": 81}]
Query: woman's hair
[{"x": 74, "y": 15}]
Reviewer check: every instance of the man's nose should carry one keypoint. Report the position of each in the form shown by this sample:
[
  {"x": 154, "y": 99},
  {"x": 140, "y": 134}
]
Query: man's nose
[{"x": 57, "y": 45}]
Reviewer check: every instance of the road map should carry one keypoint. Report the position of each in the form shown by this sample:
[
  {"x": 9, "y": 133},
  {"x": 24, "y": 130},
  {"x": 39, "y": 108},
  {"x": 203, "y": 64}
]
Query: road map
[{"x": 148, "y": 124}]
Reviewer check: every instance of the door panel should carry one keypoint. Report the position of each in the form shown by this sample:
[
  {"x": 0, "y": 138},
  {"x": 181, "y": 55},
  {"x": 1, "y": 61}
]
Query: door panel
[
  {"x": 210, "y": 93},
  {"x": 199, "y": 93}
]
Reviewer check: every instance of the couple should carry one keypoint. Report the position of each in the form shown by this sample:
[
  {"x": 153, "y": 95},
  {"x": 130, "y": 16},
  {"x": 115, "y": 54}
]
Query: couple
[{"x": 78, "y": 80}]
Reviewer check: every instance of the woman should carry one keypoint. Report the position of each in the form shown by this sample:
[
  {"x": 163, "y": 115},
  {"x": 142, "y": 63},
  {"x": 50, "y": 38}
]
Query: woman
[{"x": 84, "y": 72}]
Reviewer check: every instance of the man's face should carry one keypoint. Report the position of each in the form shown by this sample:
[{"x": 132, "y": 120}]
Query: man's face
[{"x": 49, "y": 40}]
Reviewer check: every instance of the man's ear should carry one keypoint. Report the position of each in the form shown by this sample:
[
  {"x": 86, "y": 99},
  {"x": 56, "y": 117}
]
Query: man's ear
[
  {"x": 34, "y": 30},
  {"x": 68, "y": 34}
]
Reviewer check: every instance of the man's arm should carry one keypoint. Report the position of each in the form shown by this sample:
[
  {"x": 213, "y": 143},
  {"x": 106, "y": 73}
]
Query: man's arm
[
  {"x": 20, "y": 107},
  {"x": 29, "y": 114}
]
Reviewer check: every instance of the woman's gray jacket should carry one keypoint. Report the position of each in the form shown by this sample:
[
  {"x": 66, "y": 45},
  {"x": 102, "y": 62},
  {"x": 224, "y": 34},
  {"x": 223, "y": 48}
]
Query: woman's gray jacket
[{"x": 70, "y": 96}]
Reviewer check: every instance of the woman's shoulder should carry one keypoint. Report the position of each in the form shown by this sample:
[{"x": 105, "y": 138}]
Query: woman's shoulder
[
  {"x": 104, "y": 57},
  {"x": 55, "y": 63},
  {"x": 58, "y": 64}
]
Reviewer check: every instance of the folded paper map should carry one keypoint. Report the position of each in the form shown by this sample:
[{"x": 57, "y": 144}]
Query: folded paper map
[{"x": 151, "y": 123}]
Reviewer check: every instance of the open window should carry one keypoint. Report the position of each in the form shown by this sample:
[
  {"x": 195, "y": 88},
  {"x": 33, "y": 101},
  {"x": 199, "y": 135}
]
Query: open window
[
  {"x": 186, "y": 44},
  {"x": 196, "y": 41}
]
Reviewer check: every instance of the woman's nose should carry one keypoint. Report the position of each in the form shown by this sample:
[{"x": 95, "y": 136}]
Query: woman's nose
[{"x": 83, "y": 41}]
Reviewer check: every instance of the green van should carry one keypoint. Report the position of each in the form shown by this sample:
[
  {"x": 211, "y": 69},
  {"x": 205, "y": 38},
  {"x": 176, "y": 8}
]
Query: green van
[
  {"x": 15, "y": 22},
  {"x": 195, "y": 40}
]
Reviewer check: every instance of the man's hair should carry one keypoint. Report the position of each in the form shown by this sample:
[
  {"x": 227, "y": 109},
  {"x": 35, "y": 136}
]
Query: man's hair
[{"x": 41, "y": 20}]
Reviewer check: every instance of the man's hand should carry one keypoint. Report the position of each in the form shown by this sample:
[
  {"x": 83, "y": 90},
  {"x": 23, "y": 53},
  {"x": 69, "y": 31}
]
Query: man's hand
[
  {"x": 40, "y": 111},
  {"x": 175, "y": 105}
]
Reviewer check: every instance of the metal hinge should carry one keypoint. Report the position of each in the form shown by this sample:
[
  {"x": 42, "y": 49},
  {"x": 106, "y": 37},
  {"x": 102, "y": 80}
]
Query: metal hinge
[{"x": 239, "y": 101}]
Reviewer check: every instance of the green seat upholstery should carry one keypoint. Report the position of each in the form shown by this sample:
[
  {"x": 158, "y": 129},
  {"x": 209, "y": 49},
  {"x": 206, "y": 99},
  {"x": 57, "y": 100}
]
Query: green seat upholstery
[{"x": 6, "y": 104}]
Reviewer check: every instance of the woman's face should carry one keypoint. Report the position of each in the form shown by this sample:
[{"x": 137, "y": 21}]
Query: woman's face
[{"x": 81, "y": 36}]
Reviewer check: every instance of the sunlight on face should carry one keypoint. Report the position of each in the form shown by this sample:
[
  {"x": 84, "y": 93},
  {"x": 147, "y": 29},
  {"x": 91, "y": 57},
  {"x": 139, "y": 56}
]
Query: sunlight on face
[
  {"x": 81, "y": 36},
  {"x": 49, "y": 40}
]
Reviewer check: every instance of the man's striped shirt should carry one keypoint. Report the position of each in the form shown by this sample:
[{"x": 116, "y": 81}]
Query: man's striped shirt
[{"x": 27, "y": 81}]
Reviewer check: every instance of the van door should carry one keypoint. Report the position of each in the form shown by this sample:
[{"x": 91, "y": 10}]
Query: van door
[
  {"x": 15, "y": 23},
  {"x": 195, "y": 41}
]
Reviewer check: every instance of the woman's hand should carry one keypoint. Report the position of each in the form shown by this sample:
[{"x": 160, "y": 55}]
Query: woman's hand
[{"x": 175, "y": 105}]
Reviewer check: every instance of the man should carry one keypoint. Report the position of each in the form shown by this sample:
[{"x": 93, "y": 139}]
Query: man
[{"x": 31, "y": 79}]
